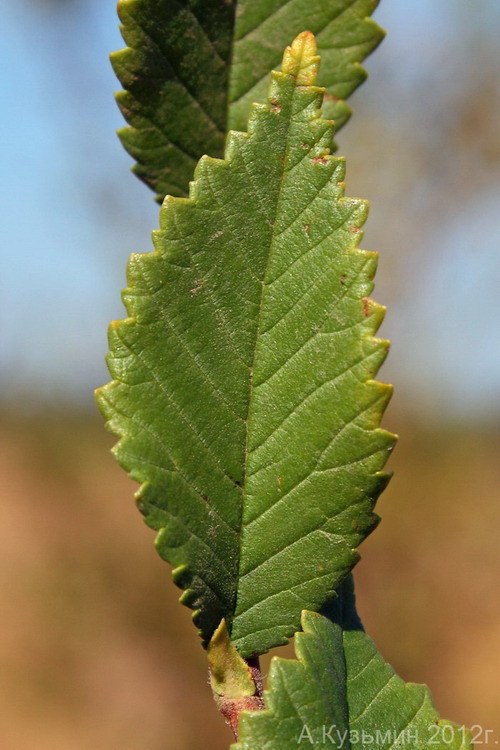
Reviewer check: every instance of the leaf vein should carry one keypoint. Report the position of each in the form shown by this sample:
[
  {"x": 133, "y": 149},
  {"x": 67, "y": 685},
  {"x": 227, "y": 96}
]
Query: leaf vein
[
  {"x": 308, "y": 396},
  {"x": 170, "y": 398},
  {"x": 175, "y": 70}
]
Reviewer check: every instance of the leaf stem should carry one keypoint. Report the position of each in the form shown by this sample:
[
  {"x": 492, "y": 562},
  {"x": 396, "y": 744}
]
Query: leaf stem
[{"x": 231, "y": 708}]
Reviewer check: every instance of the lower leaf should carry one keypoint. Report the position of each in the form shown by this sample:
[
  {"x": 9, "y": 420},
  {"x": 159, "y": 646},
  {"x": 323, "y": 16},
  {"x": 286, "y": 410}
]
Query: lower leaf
[{"x": 341, "y": 693}]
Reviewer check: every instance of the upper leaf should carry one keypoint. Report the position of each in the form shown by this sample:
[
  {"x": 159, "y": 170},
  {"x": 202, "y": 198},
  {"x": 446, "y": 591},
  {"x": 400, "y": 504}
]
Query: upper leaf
[
  {"x": 342, "y": 694},
  {"x": 345, "y": 35},
  {"x": 192, "y": 69},
  {"x": 244, "y": 390},
  {"x": 175, "y": 75}
]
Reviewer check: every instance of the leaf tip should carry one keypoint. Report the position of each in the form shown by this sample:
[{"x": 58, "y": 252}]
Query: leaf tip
[
  {"x": 300, "y": 59},
  {"x": 122, "y": 5}
]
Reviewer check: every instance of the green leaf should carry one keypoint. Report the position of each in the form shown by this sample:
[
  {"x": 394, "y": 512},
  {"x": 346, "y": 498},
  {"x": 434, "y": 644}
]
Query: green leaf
[
  {"x": 175, "y": 75},
  {"x": 192, "y": 69},
  {"x": 303, "y": 695},
  {"x": 244, "y": 391},
  {"x": 236, "y": 684},
  {"x": 345, "y": 35},
  {"x": 341, "y": 693},
  {"x": 230, "y": 675}
]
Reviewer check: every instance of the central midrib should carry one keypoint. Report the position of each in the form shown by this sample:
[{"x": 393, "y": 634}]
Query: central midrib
[{"x": 279, "y": 195}]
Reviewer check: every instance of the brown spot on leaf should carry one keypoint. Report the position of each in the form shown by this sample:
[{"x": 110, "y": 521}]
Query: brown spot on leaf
[
  {"x": 331, "y": 98},
  {"x": 198, "y": 284},
  {"x": 275, "y": 106},
  {"x": 343, "y": 279},
  {"x": 366, "y": 306},
  {"x": 307, "y": 227},
  {"x": 320, "y": 160}
]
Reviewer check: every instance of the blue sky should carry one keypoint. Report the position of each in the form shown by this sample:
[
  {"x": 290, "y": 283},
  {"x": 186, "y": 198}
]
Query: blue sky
[{"x": 72, "y": 212}]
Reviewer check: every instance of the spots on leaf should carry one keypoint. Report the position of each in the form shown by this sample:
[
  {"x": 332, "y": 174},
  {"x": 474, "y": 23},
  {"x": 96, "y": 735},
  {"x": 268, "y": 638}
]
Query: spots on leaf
[
  {"x": 320, "y": 159},
  {"x": 198, "y": 285},
  {"x": 330, "y": 98}
]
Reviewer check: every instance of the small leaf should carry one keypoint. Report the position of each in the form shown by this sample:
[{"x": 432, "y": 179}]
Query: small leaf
[
  {"x": 236, "y": 684},
  {"x": 244, "y": 388},
  {"x": 230, "y": 675},
  {"x": 341, "y": 693},
  {"x": 192, "y": 69}
]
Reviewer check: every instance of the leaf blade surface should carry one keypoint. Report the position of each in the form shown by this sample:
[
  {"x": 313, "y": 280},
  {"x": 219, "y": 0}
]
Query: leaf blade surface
[
  {"x": 244, "y": 392},
  {"x": 345, "y": 33},
  {"x": 175, "y": 75},
  {"x": 191, "y": 71},
  {"x": 341, "y": 693}
]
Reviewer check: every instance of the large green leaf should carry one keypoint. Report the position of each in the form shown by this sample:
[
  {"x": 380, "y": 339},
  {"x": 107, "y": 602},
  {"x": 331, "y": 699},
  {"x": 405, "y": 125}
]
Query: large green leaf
[
  {"x": 342, "y": 694},
  {"x": 192, "y": 68},
  {"x": 244, "y": 390}
]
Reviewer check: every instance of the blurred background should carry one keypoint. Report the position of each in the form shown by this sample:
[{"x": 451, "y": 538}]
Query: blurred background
[{"x": 95, "y": 651}]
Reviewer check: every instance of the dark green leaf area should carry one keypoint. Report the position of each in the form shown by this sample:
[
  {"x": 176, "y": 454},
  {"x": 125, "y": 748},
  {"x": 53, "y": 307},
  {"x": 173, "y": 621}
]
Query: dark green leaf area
[
  {"x": 192, "y": 69},
  {"x": 244, "y": 389},
  {"x": 175, "y": 73}
]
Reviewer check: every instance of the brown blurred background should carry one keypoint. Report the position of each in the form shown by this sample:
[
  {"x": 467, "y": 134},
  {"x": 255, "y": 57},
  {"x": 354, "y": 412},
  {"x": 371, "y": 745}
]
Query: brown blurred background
[{"x": 95, "y": 650}]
